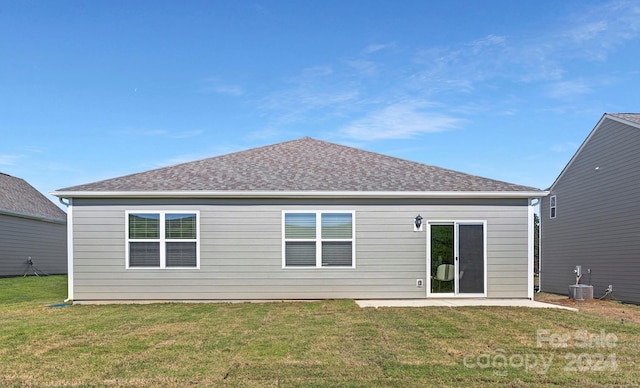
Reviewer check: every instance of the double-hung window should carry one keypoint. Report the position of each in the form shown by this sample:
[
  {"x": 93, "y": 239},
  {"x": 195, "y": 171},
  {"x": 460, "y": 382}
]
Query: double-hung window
[
  {"x": 552, "y": 206},
  {"x": 163, "y": 239},
  {"x": 318, "y": 239}
]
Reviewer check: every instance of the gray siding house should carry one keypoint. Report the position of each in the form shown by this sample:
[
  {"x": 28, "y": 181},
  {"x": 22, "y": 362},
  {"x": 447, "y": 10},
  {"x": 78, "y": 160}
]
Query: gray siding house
[
  {"x": 31, "y": 226},
  {"x": 591, "y": 217},
  {"x": 303, "y": 219}
]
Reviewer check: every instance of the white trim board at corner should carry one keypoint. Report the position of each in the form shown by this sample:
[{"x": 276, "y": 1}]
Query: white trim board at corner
[{"x": 458, "y": 303}]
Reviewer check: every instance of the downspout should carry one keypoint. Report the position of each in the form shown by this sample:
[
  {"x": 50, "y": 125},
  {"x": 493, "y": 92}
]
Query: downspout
[
  {"x": 533, "y": 202},
  {"x": 69, "y": 206}
]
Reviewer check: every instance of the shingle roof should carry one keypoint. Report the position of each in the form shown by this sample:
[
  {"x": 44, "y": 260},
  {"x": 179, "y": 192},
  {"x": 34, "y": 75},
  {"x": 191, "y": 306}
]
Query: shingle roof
[
  {"x": 304, "y": 164},
  {"x": 19, "y": 197},
  {"x": 633, "y": 117}
]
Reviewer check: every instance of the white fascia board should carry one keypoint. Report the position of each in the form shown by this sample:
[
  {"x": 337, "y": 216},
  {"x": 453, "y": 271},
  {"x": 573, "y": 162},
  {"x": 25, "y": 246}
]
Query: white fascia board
[{"x": 300, "y": 194}]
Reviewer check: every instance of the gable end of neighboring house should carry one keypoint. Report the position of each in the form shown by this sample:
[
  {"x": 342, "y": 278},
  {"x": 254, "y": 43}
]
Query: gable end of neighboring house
[
  {"x": 304, "y": 219},
  {"x": 591, "y": 215},
  {"x": 31, "y": 228}
]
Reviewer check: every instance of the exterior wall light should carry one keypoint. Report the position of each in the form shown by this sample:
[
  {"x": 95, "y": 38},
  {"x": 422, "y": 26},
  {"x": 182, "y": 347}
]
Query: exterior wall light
[{"x": 417, "y": 222}]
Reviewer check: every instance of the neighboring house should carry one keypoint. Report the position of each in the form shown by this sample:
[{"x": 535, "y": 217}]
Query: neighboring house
[
  {"x": 303, "y": 219},
  {"x": 31, "y": 227},
  {"x": 591, "y": 217}
]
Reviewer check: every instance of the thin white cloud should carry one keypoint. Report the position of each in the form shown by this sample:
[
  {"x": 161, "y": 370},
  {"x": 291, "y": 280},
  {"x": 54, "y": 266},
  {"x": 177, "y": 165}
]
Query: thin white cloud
[
  {"x": 608, "y": 23},
  {"x": 144, "y": 132},
  {"x": 564, "y": 147},
  {"x": 567, "y": 90},
  {"x": 591, "y": 34},
  {"x": 354, "y": 89},
  {"x": 298, "y": 101},
  {"x": 362, "y": 66},
  {"x": 315, "y": 89},
  {"x": 311, "y": 73},
  {"x": 180, "y": 159},
  {"x": 232, "y": 90},
  {"x": 214, "y": 85},
  {"x": 373, "y": 48},
  {"x": 589, "y": 31},
  {"x": 399, "y": 121},
  {"x": 458, "y": 69},
  {"x": 216, "y": 150},
  {"x": 186, "y": 134},
  {"x": 488, "y": 41},
  {"x": 9, "y": 160},
  {"x": 33, "y": 149},
  {"x": 265, "y": 133}
]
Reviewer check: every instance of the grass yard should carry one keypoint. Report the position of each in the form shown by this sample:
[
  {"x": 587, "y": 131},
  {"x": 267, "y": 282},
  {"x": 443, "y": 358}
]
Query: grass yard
[{"x": 325, "y": 343}]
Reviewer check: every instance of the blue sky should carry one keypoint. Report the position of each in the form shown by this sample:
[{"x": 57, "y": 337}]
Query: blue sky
[{"x": 508, "y": 90}]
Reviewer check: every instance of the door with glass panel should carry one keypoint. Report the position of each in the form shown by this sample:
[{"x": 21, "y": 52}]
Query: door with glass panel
[{"x": 456, "y": 258}]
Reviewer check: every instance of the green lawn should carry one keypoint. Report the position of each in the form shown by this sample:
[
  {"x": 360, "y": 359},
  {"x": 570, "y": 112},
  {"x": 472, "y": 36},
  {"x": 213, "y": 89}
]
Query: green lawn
[{"x": 325, "y": 343}]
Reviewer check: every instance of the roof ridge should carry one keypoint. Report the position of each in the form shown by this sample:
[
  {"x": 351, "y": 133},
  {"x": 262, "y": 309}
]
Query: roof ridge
[{"x": 303, "y": 164}]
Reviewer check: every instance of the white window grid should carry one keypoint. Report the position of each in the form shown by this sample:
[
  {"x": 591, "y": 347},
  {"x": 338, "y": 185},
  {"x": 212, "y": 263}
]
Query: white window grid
[
  {"x": 319, "y": 240},
  {"x": 162, "y": 238}
]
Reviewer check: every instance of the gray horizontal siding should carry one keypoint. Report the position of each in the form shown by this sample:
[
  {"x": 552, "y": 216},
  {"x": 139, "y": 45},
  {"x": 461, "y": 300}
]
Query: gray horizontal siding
[
  {"x": 44, "y": 241},
  {"x": 598, "y": 217},
  {"x": 241, "y": 251}
]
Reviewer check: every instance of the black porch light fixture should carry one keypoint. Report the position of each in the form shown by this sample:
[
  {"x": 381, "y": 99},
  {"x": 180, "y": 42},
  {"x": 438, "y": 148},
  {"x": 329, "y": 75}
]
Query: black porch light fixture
[{"x": 418, "y": 221}]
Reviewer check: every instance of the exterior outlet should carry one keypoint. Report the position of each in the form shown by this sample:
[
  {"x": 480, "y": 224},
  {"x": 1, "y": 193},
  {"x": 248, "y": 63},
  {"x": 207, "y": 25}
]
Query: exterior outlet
[{"x": 419, "y": 283}]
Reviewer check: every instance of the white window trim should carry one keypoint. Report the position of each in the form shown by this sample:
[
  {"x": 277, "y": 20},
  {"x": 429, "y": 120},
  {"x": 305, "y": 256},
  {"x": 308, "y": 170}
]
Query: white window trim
[
  {"x": 553, "y": 209},
  {"x": 318, "y": 240},
  {"x": 162, "y": 240}
]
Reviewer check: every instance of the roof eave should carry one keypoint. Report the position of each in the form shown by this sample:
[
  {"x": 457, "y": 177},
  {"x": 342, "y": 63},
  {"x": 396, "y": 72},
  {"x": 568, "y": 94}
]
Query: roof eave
[
  {"x": 300, "y": 194},
  {"x": 33, "y": 217},
  {"x": 604, "y": 117}
]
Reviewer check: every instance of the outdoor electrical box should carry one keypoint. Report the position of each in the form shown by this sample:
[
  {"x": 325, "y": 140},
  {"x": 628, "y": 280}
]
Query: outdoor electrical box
[{"x": 578, "y": 271}]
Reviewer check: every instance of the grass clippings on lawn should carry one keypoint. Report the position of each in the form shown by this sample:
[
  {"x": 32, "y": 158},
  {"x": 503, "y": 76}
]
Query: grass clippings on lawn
[{"x": 323, "y": 343}]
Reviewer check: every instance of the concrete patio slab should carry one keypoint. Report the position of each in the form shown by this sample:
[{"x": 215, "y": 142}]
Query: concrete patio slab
[{"x": 458, "y": 303}]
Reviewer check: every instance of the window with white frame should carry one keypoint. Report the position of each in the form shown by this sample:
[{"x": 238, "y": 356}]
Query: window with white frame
[
  {"x": 552, "y": 206},
  {"x": 318, "y": 239},
  {"x": 162, "y": 240}
]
